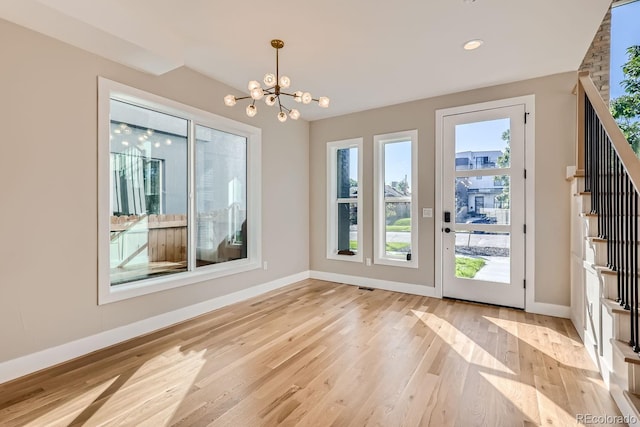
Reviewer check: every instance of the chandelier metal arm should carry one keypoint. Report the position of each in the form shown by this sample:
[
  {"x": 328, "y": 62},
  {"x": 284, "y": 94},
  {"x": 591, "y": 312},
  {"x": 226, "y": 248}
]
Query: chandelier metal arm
[{"x": 273, "y": 92}]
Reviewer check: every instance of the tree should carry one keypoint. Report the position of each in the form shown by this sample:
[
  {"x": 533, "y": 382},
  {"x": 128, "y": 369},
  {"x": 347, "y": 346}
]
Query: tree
[
  {"x": 626, "y": 108},
  {"x": 504, "y": 162}
]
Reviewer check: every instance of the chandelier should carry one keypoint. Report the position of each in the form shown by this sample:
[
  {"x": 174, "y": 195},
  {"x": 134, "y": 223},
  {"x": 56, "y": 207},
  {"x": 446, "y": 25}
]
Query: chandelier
[{"x": 274, "y": 85}]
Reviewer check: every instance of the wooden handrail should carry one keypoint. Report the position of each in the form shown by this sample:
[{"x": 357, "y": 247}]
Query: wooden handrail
[{"x": 618, "y": 141}]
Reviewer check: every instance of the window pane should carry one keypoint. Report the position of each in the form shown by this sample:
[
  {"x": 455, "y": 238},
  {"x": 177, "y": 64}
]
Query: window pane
[
  {"x": 483, "y": 145},
  {"x": 398, "y": 230},
  {"x": 148, "y": 211},
  {"x": 347, "y": 228},
  {"x": 483, "y": 201},
  {"x": 347, "y": 162},
  {"x": 483, "y": 256},
  {"x": 221, "y": 196},
  {"x": 397, "y": 169}
]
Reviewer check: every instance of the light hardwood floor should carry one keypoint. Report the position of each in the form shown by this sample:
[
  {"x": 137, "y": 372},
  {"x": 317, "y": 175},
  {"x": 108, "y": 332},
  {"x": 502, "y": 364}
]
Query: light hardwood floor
[{"x": 324, "y": 354}]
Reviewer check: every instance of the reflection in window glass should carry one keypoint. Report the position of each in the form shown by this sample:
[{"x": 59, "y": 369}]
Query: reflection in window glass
[
  {"x": 148, "y": 226},
  {"x": 221, "y": 196}
]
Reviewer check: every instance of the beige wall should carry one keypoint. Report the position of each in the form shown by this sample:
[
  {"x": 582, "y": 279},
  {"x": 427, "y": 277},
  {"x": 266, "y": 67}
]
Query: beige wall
[
  {"x": 48, "y": 176},
  {"x": 555, "y": 133}
]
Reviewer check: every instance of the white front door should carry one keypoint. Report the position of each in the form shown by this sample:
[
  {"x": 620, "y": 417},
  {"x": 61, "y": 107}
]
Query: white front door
[{"x": 483, "y": 205}]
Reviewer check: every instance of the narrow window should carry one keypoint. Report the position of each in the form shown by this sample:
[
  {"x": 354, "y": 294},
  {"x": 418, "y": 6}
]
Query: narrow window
[
  {"x": 395, "y": 218},
  {"x": 344, "y": 200}
]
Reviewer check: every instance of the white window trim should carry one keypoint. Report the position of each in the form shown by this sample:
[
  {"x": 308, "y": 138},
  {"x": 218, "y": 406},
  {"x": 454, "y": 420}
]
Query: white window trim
[
  {"x": 332, "y": 199},
  {"x": 379, "y": 217},
  {"x": 107, "y": 293}
]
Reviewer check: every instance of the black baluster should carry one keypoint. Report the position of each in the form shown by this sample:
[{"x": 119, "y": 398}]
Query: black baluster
[
  {"x": 634, "y": 293},
  {"x": 634, "y": 309},
  {"x": 627, "y": 237}
]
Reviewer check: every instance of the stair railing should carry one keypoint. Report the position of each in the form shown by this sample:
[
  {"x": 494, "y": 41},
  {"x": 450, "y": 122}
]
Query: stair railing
[{"x": 612, "y": 176}]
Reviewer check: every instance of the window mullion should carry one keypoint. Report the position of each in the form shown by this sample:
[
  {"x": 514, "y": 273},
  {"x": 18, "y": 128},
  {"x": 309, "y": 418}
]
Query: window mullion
[{"x": 191, "y": 209}]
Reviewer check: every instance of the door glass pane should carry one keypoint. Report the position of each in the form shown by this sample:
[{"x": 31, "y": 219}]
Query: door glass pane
[
  {"x": 483, "y": 200},
  {"x": 347, "y": 163},
  {"x": 347, "y": 228},
  {"x": 483, "y": 145},
  {"x": 483, "y": 256},
  {"x": 398, "y": 230},
  {"x": 148, "y": 186},
  {"x": 221, "y": 196}
]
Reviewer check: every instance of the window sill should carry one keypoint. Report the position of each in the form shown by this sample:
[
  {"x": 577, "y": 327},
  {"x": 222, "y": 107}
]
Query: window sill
[
  {"x": 351, "y": 258},
  {"x": 396, "y": 262},
  {"x": 109, "y": 294}
]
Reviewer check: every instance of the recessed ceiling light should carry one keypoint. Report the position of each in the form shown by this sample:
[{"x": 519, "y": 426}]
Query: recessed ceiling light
[{"x": 473, "y": 44}]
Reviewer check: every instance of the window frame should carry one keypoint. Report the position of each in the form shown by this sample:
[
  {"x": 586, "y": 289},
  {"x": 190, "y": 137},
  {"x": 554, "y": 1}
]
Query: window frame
[
  {"x": 379, "y": 203},
  {"x": 333, "y": 201},
  {"x": 108, "y": 89}
]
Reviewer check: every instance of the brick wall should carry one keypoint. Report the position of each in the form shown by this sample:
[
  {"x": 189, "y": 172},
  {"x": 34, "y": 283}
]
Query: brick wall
[{"x": 596, "y": 61}]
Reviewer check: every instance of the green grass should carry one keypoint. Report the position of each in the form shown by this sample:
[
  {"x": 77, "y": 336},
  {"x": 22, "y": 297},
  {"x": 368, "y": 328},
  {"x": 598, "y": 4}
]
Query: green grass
[
  {"x": 468, "y": 267},
  {"x": 397, "y": 246},
  {"x": 403, "y": 221},
  {"x": 353, "y": 245},
  {"x": 403, "y": 224}
]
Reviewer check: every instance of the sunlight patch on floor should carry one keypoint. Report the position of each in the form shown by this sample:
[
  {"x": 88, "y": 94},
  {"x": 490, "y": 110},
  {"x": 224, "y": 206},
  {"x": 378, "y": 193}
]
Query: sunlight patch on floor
[
  {"x": 162, "y": 390},
  {"x": 65, "y": 413},
  {"x": 552, "y": 343},
  {"x": 461, "y": 343}
]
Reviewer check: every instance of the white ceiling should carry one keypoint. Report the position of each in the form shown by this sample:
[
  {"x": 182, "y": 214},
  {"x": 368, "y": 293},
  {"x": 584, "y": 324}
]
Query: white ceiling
[{"x": 361, "y": 53}]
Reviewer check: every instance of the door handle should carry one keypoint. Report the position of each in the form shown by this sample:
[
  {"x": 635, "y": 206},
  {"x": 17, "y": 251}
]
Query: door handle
[{"x": 447, "y": 230}]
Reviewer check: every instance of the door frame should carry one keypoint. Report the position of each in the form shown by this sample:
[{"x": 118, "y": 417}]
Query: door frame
[{"x": 529, "y": 160}]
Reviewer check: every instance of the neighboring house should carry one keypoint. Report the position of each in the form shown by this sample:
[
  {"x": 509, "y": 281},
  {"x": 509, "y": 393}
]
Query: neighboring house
[{"x": 481, "y": 191}]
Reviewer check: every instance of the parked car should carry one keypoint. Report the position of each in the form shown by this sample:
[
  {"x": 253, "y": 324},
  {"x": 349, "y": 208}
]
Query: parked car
[{"x": 481, "y": 220}]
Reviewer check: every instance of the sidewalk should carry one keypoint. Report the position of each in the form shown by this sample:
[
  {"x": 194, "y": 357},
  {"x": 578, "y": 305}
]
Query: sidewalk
[{"x": 495, "y": 270}]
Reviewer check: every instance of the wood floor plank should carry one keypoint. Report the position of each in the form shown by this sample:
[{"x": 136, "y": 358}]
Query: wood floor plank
[{"x": 318, "y": 353}]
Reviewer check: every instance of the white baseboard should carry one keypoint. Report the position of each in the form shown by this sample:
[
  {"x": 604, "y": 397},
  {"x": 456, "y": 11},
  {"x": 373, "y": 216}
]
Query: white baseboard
[
  {"x": 407, "y": 288},
  {"x": 554, "y": 310},
  {"x": 30, "y": 363},
  {"x": 427, "y": 291}
]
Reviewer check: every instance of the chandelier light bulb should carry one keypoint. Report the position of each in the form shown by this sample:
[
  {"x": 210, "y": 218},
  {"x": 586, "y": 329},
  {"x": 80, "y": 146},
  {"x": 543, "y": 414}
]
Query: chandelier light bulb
[
  {"x": 285, "y": 82},
  {"x": 257, "y": 93},
  {"x": 270, "y": 79},
  {"x": 276, "y": 85},
  {"x": 229, "y": 100},
  {"x": 306, "y": 98}
]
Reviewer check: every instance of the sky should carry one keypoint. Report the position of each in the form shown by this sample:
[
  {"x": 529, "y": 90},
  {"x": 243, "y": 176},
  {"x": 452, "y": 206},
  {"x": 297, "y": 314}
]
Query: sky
[
  {"x": 625, "y": 32},
  {"x": 481, "y": 136}
]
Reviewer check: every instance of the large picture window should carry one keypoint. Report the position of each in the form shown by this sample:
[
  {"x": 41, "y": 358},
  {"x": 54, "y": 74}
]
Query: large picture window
[
  {"x": 395, "y": 218},
  {"x": 344, "y": 215},
  {"x": 179, "y": 194}
]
